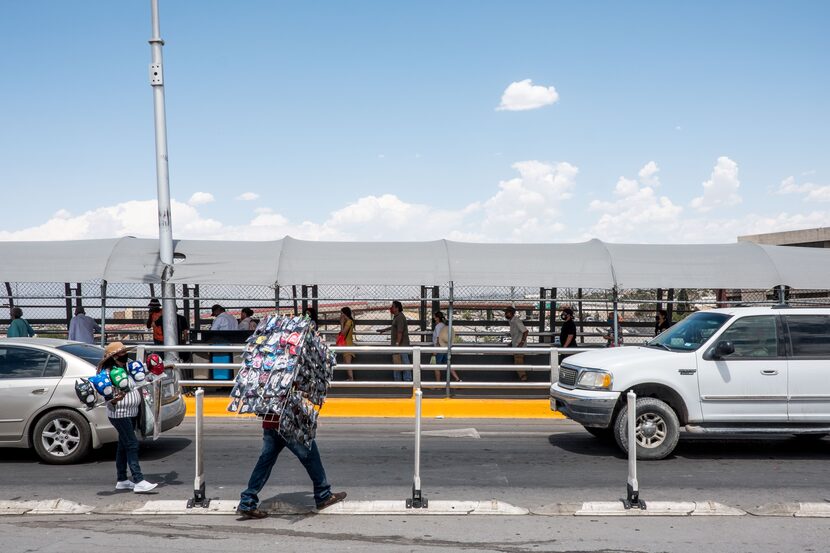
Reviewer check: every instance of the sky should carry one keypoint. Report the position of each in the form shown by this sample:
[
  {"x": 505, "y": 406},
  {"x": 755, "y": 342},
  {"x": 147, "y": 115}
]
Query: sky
[{"x": 486, "y": 121}]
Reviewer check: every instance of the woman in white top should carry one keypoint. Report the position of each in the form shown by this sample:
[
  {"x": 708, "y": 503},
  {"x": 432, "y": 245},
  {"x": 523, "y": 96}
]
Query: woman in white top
[
  {"x": 441, "y": 339},
  {"x": 122, "y": 411}
]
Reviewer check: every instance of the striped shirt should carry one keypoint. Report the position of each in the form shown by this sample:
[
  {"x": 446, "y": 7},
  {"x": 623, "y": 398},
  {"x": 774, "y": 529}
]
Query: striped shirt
[{"x": 127, "y": 408}]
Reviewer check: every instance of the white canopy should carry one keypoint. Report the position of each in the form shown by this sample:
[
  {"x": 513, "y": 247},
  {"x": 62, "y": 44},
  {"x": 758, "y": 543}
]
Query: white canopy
[{"x": 592, "y": 264}]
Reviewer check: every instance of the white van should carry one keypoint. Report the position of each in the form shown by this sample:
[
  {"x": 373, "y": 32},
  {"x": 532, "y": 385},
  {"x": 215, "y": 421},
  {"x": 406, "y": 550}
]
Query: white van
[{"x": 740, "y": 370}]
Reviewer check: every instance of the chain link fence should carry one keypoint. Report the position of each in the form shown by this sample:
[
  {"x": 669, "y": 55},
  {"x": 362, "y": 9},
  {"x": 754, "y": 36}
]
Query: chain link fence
[{"x": 477, "y": 311}]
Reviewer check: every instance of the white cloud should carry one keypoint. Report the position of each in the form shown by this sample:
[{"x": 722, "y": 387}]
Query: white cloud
[
  {"x": 532, "y": 206},
  {"x": 524, "y": 95},
  {"x": 648, "y": 174},
  {"x": 811, "y": 192},
  {"x": 721, "y": 190},
  {"x": 248, "y": 196},
  {"x": 201, "y": 198},
  {"x": 638, "y": 214}
]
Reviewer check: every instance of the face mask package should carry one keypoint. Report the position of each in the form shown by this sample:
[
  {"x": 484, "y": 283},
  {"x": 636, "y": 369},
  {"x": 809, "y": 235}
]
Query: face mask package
[{"x": 285, "y": 375}]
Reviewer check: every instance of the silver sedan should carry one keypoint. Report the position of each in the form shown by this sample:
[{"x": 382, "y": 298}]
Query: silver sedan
[{"x": 38, "y": 405}]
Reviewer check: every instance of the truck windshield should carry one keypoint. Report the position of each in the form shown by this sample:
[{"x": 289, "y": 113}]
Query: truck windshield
[{"x": 690, "y": 333}]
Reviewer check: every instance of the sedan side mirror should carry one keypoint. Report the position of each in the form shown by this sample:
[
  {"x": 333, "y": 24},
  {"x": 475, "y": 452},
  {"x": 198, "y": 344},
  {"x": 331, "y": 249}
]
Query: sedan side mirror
[{"x": 722, "y": 349}]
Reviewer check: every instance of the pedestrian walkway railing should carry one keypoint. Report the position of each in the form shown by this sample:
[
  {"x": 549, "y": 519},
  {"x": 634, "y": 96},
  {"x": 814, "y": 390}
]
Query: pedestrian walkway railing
[{"x": 417, "y": 499}]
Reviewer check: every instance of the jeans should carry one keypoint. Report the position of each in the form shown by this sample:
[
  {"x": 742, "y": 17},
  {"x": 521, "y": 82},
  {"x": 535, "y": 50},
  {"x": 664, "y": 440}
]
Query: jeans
[
  {"x": 272, "y": 445},
  {"x": 401, "y": 376},
  {"x": 127, "y": 452}
]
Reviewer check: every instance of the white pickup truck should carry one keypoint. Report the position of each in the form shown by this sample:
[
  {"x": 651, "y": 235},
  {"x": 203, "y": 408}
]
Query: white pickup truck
[{"x": 741, "y": 370}]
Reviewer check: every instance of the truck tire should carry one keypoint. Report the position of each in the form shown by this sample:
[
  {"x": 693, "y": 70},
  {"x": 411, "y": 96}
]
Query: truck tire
[
  {"x": 658, "y": 429},
  {"x": 62, "y": 437}
]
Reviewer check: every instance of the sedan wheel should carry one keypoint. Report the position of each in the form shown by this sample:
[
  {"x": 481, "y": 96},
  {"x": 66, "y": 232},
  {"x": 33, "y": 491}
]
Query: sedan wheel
[{"x": 61, "y": 437}]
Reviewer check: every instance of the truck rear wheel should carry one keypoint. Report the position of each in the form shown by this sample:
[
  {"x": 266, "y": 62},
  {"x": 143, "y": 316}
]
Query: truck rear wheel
[{"x": 658, "y": 429}]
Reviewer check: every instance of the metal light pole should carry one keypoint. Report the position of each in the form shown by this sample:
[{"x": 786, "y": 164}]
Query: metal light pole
[{"x": 163, "y": 186}]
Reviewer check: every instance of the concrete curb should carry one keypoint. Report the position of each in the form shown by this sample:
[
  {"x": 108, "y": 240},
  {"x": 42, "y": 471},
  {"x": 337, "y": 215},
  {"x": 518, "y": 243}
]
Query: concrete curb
[
  {"x": 792, "y": 509},
  {"x": 436, "y": 507},
  {"x": 654, "y": 508}
]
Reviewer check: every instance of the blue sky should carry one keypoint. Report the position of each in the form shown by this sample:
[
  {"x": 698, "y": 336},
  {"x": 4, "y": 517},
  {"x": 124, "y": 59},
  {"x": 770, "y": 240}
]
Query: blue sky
[{"x": 378, "y": 120}]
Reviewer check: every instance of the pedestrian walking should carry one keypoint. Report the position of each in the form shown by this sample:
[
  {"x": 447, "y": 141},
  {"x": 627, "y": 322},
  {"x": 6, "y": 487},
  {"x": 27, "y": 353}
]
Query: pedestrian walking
[
  {"x": 247, "y": 322},
  {"x": 441, "y": 339},
  {"x": 346, "y": 337},
  {"x": 609, "y": 337},
  {"x": 567, "y": 334},
  {"x": 19, "y": 327},
  {"x": 122, "y": 411},
  {"x": 222, "y": 320},
  {"x": 153, "y": 318},
  {"x": 311, "y": 313},
  {"x": 272, "y": 444},
  {"x": 661, "y": 321},
  {"x": 82, "y": 328},
  {"x": 518, "y": 339},
  {"x": 399, "y": 336}
]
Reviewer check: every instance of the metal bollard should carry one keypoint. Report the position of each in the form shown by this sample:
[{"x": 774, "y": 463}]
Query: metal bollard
[
  {"x": 199, "y": 499},
  {"x": 633, "y": 487},
  {"x": 417, "y": 501}
]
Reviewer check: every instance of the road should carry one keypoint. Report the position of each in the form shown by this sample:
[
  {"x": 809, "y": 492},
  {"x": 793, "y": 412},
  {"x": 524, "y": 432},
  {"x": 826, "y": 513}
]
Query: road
[{"x": 523, "y": 462}]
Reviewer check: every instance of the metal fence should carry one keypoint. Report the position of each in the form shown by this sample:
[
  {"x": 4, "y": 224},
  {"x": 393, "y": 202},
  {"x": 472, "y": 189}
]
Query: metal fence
[{"x": 476, "y": 312}]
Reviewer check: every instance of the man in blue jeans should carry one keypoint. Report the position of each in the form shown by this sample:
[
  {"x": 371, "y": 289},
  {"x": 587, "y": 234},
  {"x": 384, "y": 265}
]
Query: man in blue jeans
[{"x": 272, "y": 445}]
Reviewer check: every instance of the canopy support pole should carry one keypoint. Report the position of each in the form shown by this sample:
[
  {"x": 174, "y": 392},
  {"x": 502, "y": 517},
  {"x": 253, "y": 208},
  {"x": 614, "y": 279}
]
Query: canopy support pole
[
  {"x": 449, "y": 339},
  {"x": 616, "y": 323},
  {"x": 103, "y": 313}
]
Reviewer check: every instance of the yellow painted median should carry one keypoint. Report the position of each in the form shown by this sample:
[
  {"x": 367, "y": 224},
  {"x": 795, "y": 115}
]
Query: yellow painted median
[{"x": 405, "y": 408}]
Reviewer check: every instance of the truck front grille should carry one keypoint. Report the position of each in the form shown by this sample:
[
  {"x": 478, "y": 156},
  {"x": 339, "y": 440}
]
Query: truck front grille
[{"x": 567, "y": 376}]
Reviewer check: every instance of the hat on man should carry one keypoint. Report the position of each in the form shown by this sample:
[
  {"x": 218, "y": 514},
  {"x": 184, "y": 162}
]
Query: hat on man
[
  {"x": 567, "y": 311},
  {"x": 114, "y": 349},
  {"x": 154, "y": 303}
]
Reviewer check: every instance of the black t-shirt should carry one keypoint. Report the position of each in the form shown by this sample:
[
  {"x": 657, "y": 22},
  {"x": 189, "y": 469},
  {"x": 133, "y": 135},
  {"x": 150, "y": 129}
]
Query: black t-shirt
[
  {"x": 568, "y": 329},
  {"x": 181, "y": 324}
]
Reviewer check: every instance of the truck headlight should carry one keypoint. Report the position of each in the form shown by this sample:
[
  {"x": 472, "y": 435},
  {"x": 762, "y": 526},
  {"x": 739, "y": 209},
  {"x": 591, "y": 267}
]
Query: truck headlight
[{"x": 595, "y": 380}]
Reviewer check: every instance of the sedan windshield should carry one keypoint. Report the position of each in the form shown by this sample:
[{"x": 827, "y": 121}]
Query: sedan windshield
[
  {"x": 690, "y": 333},
  {"x": 91, "y": 354}
]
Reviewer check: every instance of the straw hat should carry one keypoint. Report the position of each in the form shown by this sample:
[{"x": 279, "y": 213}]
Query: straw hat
[{"x": 114, "y": 349}]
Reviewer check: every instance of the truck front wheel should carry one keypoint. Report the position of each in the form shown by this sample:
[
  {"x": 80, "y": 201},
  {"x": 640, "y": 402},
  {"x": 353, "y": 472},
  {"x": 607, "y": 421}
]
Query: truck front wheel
[{"x": 657, "y": 432}]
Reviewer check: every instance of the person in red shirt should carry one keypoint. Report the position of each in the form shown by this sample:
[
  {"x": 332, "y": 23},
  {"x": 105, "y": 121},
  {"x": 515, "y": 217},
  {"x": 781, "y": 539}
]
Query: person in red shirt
[{"x": 272, "y": 444}]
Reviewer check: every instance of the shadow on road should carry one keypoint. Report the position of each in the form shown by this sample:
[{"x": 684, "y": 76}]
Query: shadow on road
[
  {"x": 707, "y": 447},
  {"x": 150, "y": 451}
]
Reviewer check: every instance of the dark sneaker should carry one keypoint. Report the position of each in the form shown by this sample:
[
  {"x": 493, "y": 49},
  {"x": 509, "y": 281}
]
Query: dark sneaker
[
  {"x": 251, "y": 513},
  {"x": 331, "y": 500}
]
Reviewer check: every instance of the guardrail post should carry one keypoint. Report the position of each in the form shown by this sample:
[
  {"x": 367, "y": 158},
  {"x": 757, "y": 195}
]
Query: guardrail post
[
  {"x": 199, "y": 499},
  {"x": 417, "y": 501},
  {"x": 554, "y": 366},
  {"x": 632, "y": 499}
]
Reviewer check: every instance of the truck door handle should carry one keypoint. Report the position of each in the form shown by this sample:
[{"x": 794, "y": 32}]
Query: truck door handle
[
  {"x": 39, "y": 391},
  {"x": 769, "y": 372}
]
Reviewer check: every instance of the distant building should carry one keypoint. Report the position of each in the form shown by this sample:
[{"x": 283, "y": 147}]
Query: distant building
[{"x": 810, "y": 238}]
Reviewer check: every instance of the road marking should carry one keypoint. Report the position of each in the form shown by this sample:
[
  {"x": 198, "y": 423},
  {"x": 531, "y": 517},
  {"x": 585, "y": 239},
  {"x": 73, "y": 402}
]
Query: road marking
[{"x": 447, "y": 408}]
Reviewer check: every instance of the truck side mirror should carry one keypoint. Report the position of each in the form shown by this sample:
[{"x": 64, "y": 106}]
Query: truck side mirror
[{"x": 722, "y": 349}]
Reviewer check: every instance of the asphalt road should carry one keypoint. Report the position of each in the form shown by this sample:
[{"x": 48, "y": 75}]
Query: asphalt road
[{"x": 524, "y": 462}]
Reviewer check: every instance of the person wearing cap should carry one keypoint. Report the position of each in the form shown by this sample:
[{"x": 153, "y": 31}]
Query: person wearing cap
[
  {"x": 19, "y": 327},
  {"x": 122, "y": 411},
  {"x": 82, "y": 328},
  {"x": 153, "y": 317}
]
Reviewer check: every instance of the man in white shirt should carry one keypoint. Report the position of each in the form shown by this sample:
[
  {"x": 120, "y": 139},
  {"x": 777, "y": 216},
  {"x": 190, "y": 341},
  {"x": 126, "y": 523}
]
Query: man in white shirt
[
  {"x": 221, "y": 319},
  {"x": 83, "y": 328},
  {"x": 518, "y": 339}
]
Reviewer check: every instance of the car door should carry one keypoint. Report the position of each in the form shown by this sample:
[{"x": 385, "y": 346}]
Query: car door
[
  {"x": 749, "y": 385},
  {"x": 28, "y": 378},
  {"x": 809, "y": 367}
]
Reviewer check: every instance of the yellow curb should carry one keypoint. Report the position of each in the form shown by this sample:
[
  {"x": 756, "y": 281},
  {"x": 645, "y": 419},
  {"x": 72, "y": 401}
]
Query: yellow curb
[{"x": 405, "y": 408}]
